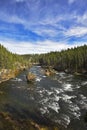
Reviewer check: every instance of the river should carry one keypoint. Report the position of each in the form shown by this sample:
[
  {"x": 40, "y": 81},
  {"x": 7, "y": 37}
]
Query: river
[{"x": 60, "y": 99}]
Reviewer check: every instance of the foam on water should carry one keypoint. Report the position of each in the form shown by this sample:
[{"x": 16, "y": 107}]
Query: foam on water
[
  {"x": 67, "y": 97},
  {"x": 59, "y": 81},
  {"x": 83, "y": 101},
  {"x": 77, "y": 86},
  {"x": 44, "y": 110},
  {"x": 62, "y": 74},
  {"x": 57, "y": 91},
  {"x": 49, "y": 92},
  {"x": 17, "y": 79},
  {"x": 65, "y": 120},
  {"x": 73, "y": 107},
  {"x": 21, "y": 87},
  {"x": 84, "y": 83},
  {"x": 57, "y": 72},
  {"x": 61, "y": 101},
  {"x": 67, "y": 87},
  {"x": 44, "y": 101},
  {"x": 54, "y": 106},
  {"x": 38, "y": 79},
  {"x": 56, "y": 98},
  {"x": 83, "y": 105},
  {"x": 38, "y": 66},
  {"x": 51, "y": 103},
  {"x": 44, "y": 76},
  {"x": 18, "y": 87},
  {"x": 83, "y": 97}
]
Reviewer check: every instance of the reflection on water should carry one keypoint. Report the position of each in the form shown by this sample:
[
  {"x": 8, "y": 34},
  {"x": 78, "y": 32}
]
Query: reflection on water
[{"x": 60, "y": 100}]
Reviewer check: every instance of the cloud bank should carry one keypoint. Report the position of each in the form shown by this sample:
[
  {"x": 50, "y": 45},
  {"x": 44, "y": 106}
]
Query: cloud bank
[
  {"x": 42, "y": 25},
  {"x": 39, "y": 48}
]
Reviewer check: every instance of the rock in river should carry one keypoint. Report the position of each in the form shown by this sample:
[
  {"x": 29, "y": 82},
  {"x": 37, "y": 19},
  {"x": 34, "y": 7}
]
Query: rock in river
[{"x": 30, "y": 77}]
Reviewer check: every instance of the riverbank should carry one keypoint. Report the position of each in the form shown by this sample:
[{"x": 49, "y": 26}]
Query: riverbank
[
  {"x": 50, "y": 70},
  {"x": 26, "y": 124},
  {"x": 6, "y": 74}
]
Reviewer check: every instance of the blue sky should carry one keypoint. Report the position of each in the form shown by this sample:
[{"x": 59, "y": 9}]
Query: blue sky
[{"x": 40, "y": 26}]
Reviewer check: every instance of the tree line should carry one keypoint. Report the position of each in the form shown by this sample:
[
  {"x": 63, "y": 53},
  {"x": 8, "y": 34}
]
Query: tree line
[
  {"x": 9, "y": 60},
  {"x": 70, "y": 60}
]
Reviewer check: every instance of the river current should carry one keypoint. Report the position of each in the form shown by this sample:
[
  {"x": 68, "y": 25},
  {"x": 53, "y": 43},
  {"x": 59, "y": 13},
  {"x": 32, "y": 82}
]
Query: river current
[{"x": 61, "y": 99}]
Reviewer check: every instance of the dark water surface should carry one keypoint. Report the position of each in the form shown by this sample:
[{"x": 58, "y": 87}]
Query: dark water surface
[{"x": 60, "y": 99}]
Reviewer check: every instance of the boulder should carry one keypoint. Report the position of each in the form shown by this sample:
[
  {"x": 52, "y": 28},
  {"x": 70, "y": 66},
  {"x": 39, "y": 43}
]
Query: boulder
[
  {"x": 30, "y": 77},
  {"x": 49, "y": 72}
]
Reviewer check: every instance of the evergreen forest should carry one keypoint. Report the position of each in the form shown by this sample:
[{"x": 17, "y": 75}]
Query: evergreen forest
[
  {"x": 9, "y": 60},
  {"x": 70, "y": 60}
]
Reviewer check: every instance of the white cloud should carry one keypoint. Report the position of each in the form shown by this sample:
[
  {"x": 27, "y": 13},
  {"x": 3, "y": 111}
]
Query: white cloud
[
  {"x": 12, "y": 18},
  {"x": 45, "y": 32},
  {"x": 20, "y": 0},
  {"x": 71, "y": 1},
  {"x": 82, "y": 19},
  {"x": 76, "y": 31},
  {"x": 38, "y": 48}
]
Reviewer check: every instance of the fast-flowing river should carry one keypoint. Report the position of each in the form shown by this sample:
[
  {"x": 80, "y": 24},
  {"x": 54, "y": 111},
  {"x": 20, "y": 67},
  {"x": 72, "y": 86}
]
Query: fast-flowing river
[{"x": 61, "y": 98}]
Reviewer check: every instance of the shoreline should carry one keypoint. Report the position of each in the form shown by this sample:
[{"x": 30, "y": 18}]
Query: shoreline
[
  {"x": 7, "y": 74},
  {"x": 51, "y": 70}
]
